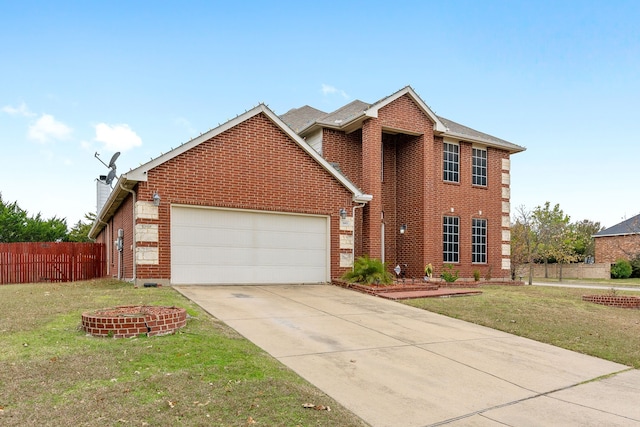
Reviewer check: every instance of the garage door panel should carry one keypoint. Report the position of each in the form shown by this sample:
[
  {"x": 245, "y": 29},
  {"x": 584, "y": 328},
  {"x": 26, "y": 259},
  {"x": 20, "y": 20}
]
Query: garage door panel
[
  {"x": 229, "y": 246},
  {"x": 248, "y": 238}
]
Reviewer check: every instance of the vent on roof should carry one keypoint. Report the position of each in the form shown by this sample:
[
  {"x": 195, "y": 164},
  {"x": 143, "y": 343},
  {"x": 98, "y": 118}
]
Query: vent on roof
[{"x": 336, "y": 166}]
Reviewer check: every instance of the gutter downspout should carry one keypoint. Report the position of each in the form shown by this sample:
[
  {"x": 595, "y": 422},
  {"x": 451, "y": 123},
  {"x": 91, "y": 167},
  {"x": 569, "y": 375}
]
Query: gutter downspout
[{"x": 133, "y": 233}]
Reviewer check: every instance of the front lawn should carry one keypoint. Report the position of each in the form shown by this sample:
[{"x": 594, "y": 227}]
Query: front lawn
[
  {"x": 555, "y": 316},
  {"x": 206, "y": 374}
]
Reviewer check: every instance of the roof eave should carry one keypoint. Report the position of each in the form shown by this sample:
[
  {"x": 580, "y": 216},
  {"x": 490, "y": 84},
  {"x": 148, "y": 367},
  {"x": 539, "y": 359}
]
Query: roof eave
[
  {"x": 512, "y": 149},
  {"x": 352, "y": 125},
  {"x": 115, "y": 199}
]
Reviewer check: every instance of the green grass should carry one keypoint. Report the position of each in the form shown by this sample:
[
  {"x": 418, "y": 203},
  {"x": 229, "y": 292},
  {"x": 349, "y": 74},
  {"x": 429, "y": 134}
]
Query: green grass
[
  {"x": 206, "y": 374},
  {"x": 557, "y": 316}
]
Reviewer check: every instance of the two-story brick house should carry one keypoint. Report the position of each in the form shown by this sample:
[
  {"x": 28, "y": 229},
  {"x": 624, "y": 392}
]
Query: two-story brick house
[{"x": 293, "y": 199}]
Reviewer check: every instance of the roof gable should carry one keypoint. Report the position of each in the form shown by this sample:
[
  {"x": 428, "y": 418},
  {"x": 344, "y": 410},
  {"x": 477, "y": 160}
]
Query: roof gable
[
  {"x": 140, "y": 173},
  {"x": 127, "y": 181},
  {"x": 375, "y": 107}
]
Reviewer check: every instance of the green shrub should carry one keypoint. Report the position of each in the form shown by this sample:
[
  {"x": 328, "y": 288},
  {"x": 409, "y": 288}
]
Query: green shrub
[
  {"x": 368, "y": 271},
  {"x": 449, "y": 274},
  {"x": 621, "y": 269},
  {"x": 635, "y": 266},
  {"x": 476, "y": 275}
]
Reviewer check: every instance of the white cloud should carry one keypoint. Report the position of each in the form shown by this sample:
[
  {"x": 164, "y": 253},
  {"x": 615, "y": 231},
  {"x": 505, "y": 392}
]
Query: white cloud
[
  {"x": 186, "y": 124},
  {"x": 331, "y": 90},
  {"x": 86, "y": 145},
  {"x": 47, "y": 128},
  {"x": 117, "y": 137},
  {"x": 20, "y": 110}
]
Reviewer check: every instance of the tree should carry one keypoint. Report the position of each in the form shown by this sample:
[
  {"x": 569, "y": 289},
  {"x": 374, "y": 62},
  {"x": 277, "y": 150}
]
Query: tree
[
  {"x": 584, "y": 243},
  {"x": 524, "y": 242},
  {"x": 80, "y": 231},
  {"x": 17, "y": 226},
  {"x": 12, "y": 222},
  {"x": 563, "y": 249},
  {"x": 550, "y": 226}
]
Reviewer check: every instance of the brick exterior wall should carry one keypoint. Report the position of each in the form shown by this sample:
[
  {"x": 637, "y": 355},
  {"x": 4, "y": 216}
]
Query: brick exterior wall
[
  {"x": 122, "y": 219},
  {"x": 414, "y": 193},
  {"x": 346, "y": 150},
  {"x": 612, "y": 248},
  {"x": 253, "y": 165}
]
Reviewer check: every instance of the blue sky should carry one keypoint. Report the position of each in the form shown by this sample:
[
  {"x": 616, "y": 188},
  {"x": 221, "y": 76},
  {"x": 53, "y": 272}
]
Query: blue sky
[{"x": 561, "y": 78}]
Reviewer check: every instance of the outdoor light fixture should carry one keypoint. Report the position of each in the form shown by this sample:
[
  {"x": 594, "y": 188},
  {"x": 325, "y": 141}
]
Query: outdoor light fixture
[
  {"x": 403, "y": 228},
  {"x": 156, "y": 199},
  {"x": 343, "y": 213}
]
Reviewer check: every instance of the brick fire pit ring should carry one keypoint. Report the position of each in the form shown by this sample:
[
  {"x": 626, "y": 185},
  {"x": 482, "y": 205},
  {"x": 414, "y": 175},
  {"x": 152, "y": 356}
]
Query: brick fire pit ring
[{"x": 133, "y": 320}]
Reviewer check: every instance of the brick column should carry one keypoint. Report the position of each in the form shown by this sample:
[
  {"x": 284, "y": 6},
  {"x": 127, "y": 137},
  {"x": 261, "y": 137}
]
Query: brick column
[{"x": 372, "y": 184}]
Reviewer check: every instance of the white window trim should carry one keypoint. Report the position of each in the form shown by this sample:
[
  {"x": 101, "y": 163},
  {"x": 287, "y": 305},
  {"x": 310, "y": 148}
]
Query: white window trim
[
  {"x": 486, "y": 167},
  {"x": 485, "y": 244},
  {"x": 457, "y": 144},
  {"x": 457, "y": 244}
]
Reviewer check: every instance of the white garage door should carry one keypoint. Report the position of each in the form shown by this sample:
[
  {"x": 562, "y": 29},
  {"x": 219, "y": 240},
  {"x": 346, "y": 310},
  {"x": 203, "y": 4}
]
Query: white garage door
[{"x": 220, "y": 246}]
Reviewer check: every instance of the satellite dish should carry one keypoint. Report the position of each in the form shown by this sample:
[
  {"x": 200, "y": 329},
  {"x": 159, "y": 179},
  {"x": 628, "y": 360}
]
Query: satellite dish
[
  {"x": 112, "y": 174},
  {"x": 112, "y": 163}
]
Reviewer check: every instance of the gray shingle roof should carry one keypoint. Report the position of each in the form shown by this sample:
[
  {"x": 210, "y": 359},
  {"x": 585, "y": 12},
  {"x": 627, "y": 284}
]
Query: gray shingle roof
[
  {"x": 462, "y": 131},
  {"x": 303, "y": 118},
  {"x": 345, "y": 114},
  {"x": 299, "y": 118},
  {"x": 629, "y": 226}
]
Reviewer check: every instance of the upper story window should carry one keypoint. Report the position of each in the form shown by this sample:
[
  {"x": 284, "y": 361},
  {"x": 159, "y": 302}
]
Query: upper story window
[
  {"x": 450, "y": 239},
  {"x": 479, "y": 241},
  {"x": 479, "y": 167},
  {"x": 451, "y": 162}
]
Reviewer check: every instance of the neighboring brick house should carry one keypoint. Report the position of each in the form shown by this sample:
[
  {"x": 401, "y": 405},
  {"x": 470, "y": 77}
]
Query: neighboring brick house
[
  {"x": 621, "y": 241},
  {"x": 292, "y": 199}
]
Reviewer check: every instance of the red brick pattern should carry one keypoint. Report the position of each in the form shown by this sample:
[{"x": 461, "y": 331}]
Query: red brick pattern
[
  {"x": 622, "y": 301},
  {"x": 142, "y": 320},
  {"x": 122, "y": 219},
  {"x": 255, "y": 165},
  {"x": 612, "y": 248},
  {"x": 414, "y": 193}
]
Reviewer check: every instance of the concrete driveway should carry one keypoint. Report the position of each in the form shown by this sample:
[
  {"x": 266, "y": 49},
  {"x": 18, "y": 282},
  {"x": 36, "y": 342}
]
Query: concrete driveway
[{"x": 394, "y": 365}]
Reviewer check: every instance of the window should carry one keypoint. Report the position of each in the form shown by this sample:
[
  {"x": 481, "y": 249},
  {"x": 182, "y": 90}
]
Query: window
[
  {"x": 450, "y": 238},
  {"x": 479, "y": 169},
  {"x": 479, "y": 241},
  {"x": 451, "y": 162}
]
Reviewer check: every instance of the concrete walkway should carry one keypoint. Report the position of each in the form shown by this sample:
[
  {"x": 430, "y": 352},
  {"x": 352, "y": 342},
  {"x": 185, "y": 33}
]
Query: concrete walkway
[
  {"x": 586, "y": 286},
  {"x": 395, "y": 365}
]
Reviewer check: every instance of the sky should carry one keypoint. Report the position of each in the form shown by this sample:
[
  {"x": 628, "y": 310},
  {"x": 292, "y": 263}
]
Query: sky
[{"x": 561, "y": 78}]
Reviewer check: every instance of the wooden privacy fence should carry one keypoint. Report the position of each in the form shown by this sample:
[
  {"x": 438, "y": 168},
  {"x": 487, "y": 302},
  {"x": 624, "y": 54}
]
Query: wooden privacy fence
[{"x": 51, "y": 262}]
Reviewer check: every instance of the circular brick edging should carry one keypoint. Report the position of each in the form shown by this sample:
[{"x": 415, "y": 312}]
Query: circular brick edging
[
  {"x": 128, "y": 321},
  {"x": 622, "y": 301}
]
